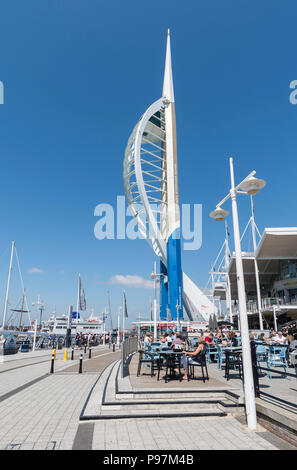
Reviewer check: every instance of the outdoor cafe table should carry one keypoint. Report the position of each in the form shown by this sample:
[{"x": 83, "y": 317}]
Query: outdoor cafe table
[{"x": 170, "y": 357}]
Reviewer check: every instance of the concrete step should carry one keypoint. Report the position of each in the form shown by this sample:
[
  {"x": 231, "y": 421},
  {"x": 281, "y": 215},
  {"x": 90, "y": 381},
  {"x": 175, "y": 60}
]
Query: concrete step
[
  {"x": 167, "y": 400},
  {"x": 122, "y": 414},
  {"x": 94, "y": 400},
  {"x": 104, "y": 403},
  {"x": 131, "y": 407}
]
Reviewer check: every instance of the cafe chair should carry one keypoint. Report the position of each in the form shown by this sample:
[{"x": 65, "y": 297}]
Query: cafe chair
[
  {"x": 277, "y": 356},
  {"x": 148, "y": 358},
  {"x": 235, "y": 361},
  {"x": 202, "y": 363},
  {"x": 172, "y": 363},
  {"x": 210, "y": 351}
]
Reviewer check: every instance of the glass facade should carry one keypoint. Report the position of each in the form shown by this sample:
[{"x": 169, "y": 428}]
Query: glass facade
[{"x": 288, "y": 269}]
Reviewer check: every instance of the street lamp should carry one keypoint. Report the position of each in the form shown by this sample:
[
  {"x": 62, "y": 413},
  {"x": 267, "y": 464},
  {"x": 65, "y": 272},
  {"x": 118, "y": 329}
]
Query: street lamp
[
  {"x": 250, "y": 185},
  {"x": 41, "y": 306}
]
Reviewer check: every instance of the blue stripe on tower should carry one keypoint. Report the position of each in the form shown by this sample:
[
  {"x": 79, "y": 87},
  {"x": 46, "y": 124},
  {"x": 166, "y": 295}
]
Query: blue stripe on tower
[
  {"x": 163, "y": 293},
  {"x": 174, "y": 273}
]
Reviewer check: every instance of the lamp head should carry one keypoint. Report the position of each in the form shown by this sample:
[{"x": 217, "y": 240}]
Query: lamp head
[
  {"x": 252, "y": 185},
  {"x": 219, "y": 214}
]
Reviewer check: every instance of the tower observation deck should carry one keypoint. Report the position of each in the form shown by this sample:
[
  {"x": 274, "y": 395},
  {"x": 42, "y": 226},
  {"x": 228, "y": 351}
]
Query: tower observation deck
[{"x": 151, "y": 187}]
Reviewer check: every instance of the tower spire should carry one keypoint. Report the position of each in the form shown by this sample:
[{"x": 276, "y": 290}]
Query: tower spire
[{"x": 168, "y": 81}]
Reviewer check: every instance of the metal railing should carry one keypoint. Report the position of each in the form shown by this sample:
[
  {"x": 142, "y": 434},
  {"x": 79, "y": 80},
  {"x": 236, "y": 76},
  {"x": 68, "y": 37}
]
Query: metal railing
[
  {"x": 129, "y": 346},
  {"x": 257, "y": 369}
]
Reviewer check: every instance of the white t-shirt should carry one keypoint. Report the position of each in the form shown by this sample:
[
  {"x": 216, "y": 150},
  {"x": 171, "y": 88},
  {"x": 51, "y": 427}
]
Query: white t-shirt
[{"x": 280, "y": 339}]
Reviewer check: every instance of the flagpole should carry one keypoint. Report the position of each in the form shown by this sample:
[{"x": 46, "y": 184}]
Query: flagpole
[
  {"x": 77, "y": 303},
  {"x": 123, "y": 315},
  {"x": 104, "y": 332},
  {"x": 119, "y": 326}
]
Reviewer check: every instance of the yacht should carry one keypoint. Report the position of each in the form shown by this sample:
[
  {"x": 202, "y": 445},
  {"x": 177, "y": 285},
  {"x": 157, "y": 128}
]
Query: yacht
[{"x": 57, "y": 325}]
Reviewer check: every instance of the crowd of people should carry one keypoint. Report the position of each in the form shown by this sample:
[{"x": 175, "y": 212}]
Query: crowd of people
[
  {"x": 89, "y": 339},
  {"x": 179, "y": 342}
]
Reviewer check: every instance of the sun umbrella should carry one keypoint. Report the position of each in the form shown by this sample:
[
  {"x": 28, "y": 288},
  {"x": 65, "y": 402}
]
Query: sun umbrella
[{"x": 210, "y": 322}]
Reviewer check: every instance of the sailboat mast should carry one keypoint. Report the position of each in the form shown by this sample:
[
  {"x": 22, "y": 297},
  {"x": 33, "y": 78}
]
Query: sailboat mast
[
  {"x": 22, "y": 310},
  {"x": 8, "y": 285}
]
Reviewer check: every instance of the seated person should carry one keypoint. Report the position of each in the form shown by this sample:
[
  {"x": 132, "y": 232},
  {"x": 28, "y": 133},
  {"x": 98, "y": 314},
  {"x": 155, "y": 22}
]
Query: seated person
[
  {"x": 272, "y": 335},
  {"x": 168, "y": 339},
  {"x": 232, "y": 339},
  {"x": 177, "y": 343},
  {"x": 172, "y": 336},
  {"x": 261, "y": 337},
  {"x": 193, "y": 357},
  {"x": 147, "y": 341},
  {"x": 280, "y": 338},
  {"x": 218, "y": 338},
  {"x": 209, "y": 338},
  {"x": 163, "y": 340}
]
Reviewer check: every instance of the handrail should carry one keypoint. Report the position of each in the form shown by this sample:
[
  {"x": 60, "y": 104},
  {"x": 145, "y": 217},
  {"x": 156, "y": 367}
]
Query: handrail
[{"x": 129, "y": 346}]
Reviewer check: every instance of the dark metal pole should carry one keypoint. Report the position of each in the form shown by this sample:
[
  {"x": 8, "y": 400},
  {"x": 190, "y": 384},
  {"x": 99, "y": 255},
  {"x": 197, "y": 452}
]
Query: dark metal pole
[
  {"x": 52, "y": 364},
  {"x": 85, "y": 348},
  {"x": 72, "y": 354},
  {"x": 90, "y": 353},
  {"x": 80, "y": 364},
  {"x": 255, "y": 369},
  {"x": 113, "y": 347}
]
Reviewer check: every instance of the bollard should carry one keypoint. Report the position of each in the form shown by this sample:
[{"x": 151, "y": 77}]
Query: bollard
[
  {"x": 54, "y": 353},
  {"x": 65, "y": 355},
  {"x": 52, "y": 364},
  {"x": 72, "y": 354},
  {"x": 90, "y": 353},
  {"x": 80, "y": 364},
  {"x": 85, "y": 348},
  {"x": 113, "y": 347}
]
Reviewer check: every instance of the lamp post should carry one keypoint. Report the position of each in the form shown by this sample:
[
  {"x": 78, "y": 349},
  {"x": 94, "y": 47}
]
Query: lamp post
[
  {"x": 119, "y": 326},
  {"x": 41, "y": 308},
  {"x": 250, "y": 185}
]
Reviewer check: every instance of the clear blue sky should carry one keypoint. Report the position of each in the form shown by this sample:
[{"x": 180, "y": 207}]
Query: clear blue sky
[{"x": 78, "y": 75}]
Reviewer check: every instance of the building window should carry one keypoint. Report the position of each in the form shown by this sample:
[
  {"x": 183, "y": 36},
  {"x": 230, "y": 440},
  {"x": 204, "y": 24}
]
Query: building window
[{"x": 288, "y": 269}]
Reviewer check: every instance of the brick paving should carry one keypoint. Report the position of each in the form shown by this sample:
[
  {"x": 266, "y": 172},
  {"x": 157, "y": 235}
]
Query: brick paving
[
  {"x": 178, "y": 434},
  {"x": 45, "y": 415}
]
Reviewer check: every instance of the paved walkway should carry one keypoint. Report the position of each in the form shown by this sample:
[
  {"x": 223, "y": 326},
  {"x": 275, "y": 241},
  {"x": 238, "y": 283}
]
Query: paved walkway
[
  {"x": 45, "y": 414},
  {"x": 181, "y": 434}
]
